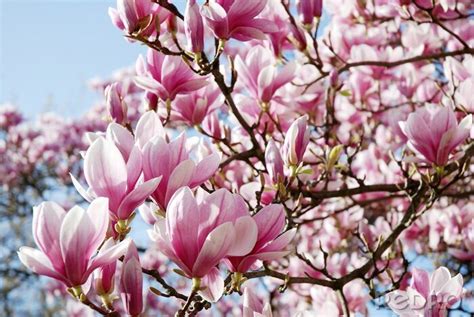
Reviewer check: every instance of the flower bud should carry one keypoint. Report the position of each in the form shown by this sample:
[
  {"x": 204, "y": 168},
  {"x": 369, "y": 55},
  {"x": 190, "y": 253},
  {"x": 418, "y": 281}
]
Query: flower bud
[
  {"x": 274, "y": 162},
  {"x": 194, "y": 27},
  {"x": 131, "y": 282},
  {"x": 333, "y": 156},
  {"x": 114, "y": 102},
  {"x": 296, "y": 141},
  {"x": 309, "y": 9}
]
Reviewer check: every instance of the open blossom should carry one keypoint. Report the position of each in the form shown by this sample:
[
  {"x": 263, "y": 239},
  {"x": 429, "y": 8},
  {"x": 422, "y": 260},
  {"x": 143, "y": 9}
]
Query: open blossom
[
  {"x": 237, "y": 19},
  {"x": 133, "y": 16},
  {"x": 258, "y": 73},
  {"x": 270, "y": 244},
  {"x": 194, "y": 107},
  {"x": 212, "y": 227},
  {"x": 67, "y": 242},
  {"x": 171, "y": 161},
  {"x": 253, "y": 307},
  {"x": 113, "y": 171},
  {"x": 131, "y": 282},
  {"x": 296, "y": 141},
  {"x": 427, "y": 295},
  {"x": 167, "y": 76},
  {"x": 433, "y": 132}
]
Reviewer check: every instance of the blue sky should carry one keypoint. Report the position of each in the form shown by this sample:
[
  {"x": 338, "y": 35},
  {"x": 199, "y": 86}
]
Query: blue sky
[{"x": 49, "y": 49}]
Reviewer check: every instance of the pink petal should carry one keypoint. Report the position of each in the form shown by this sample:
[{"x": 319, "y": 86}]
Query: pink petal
[
  {"x": 213, "y": 285},
  {"x": 182, "y": 224},
  {"x": 137, "y": 197},
  {"x": 439, "y": 278},
  {"x": 37, "y": 261},
  {"x": 270, "y": 221},
  {"x": 109, "y": 253},
  {"x": 247, "y": 230},
  {"x": 181, "y": 176},
  {"x": 205, "y": 169},
  {"x": 148, "y": 127},
  {"x": 134, "y": 167},
  {"x": 106, "y": 172},
  {"x": 47, "y": 219},
  {"x": 86, "y": 194},
  {"x": 121, "y": 137},
  {"x": 421, "y": 282},
  {"x": 216, "y": 246}
]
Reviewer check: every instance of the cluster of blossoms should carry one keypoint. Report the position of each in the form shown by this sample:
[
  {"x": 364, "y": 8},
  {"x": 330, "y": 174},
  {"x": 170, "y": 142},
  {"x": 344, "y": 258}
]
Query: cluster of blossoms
[{"x": 270, "y": 154}]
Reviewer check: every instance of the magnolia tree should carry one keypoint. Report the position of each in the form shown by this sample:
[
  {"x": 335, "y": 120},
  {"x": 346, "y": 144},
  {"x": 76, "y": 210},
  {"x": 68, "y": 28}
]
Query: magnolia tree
[{"x": 280, "y": 165}]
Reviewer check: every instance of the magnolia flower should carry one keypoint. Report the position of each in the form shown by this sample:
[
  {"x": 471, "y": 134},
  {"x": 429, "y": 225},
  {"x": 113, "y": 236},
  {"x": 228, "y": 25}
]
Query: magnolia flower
[
  {"x": 194, "y": 27},
  {"x": 194, "y": 107},
  {"x": 133, "y": 16},
  {"x": 212, "y": 225},
  {"x": 131, "y": 282},
  {"x": 104, "y": 279},
  {"x": 68, "y": 241},
  {"x": 167, "y": 76},
  {"x": 427, "y": 295},
  {"x": 270, "y": 243},
  {"x": 113, "y": 171},
  {"x": 296, "y": 141},
  {"x": 237, "y": 19},
  {"x": 253, "y": 307},
  {"x": 433, "y": 133},
  {"x": 258, "y": 73}
]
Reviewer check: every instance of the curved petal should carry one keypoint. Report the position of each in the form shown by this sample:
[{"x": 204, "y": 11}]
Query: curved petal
[
  {"x": 106, "y": 172},
  {"x": 47, "y": 220},
  {"x": 439, "y": 278},
  {"x": 76, "y": 229},
  {"x": 121, "y": 137},
  {"x": 182, "y": 225},
  {"x": 137, "y": 197},
  {"x": 181, "y": 176},
  {"x": 247, "y": 230},
  {"x": 86, "y": 194},
  {"x": 213, "y": 286},
  {"x": 205, "y": 169},
  {"x": 109, "y": 253},
  {"x": 215, "y": 248},
  {"x": 37, "y": 261},
  {"x": 148, "y": 127},
  {"x": 270, "y": 221}
]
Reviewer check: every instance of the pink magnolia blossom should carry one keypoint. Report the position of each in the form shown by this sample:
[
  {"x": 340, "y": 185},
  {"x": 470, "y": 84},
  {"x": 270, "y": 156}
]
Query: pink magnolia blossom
[
  {"x": 274, "y": 162},
  {"x": 258, "y": 74},
  {"x": 253, "y": 307},
  {"x": 309, "y": 9},
  {"x": 131, "y": 282},
  {"x": 237, "y": 19},
  {"x": 115, "y": 104},
  {"x": 270, "y": 244},
  {"x": 133, "y": 15},
  {"x": 171, "y": 161},
  {"x": 296, "y": 141},
  {"x": 194, "y": 27},
  {"x": 167, "y": 76},
  {"x": 194, "y": 107},
  {"x": 67, "y": 242},
  {"x": 211, "y": 226},
  {"x": 433, "y": 133},
  {"x": 113, "y": 171},
  {"x": 427, "y": 295}
]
